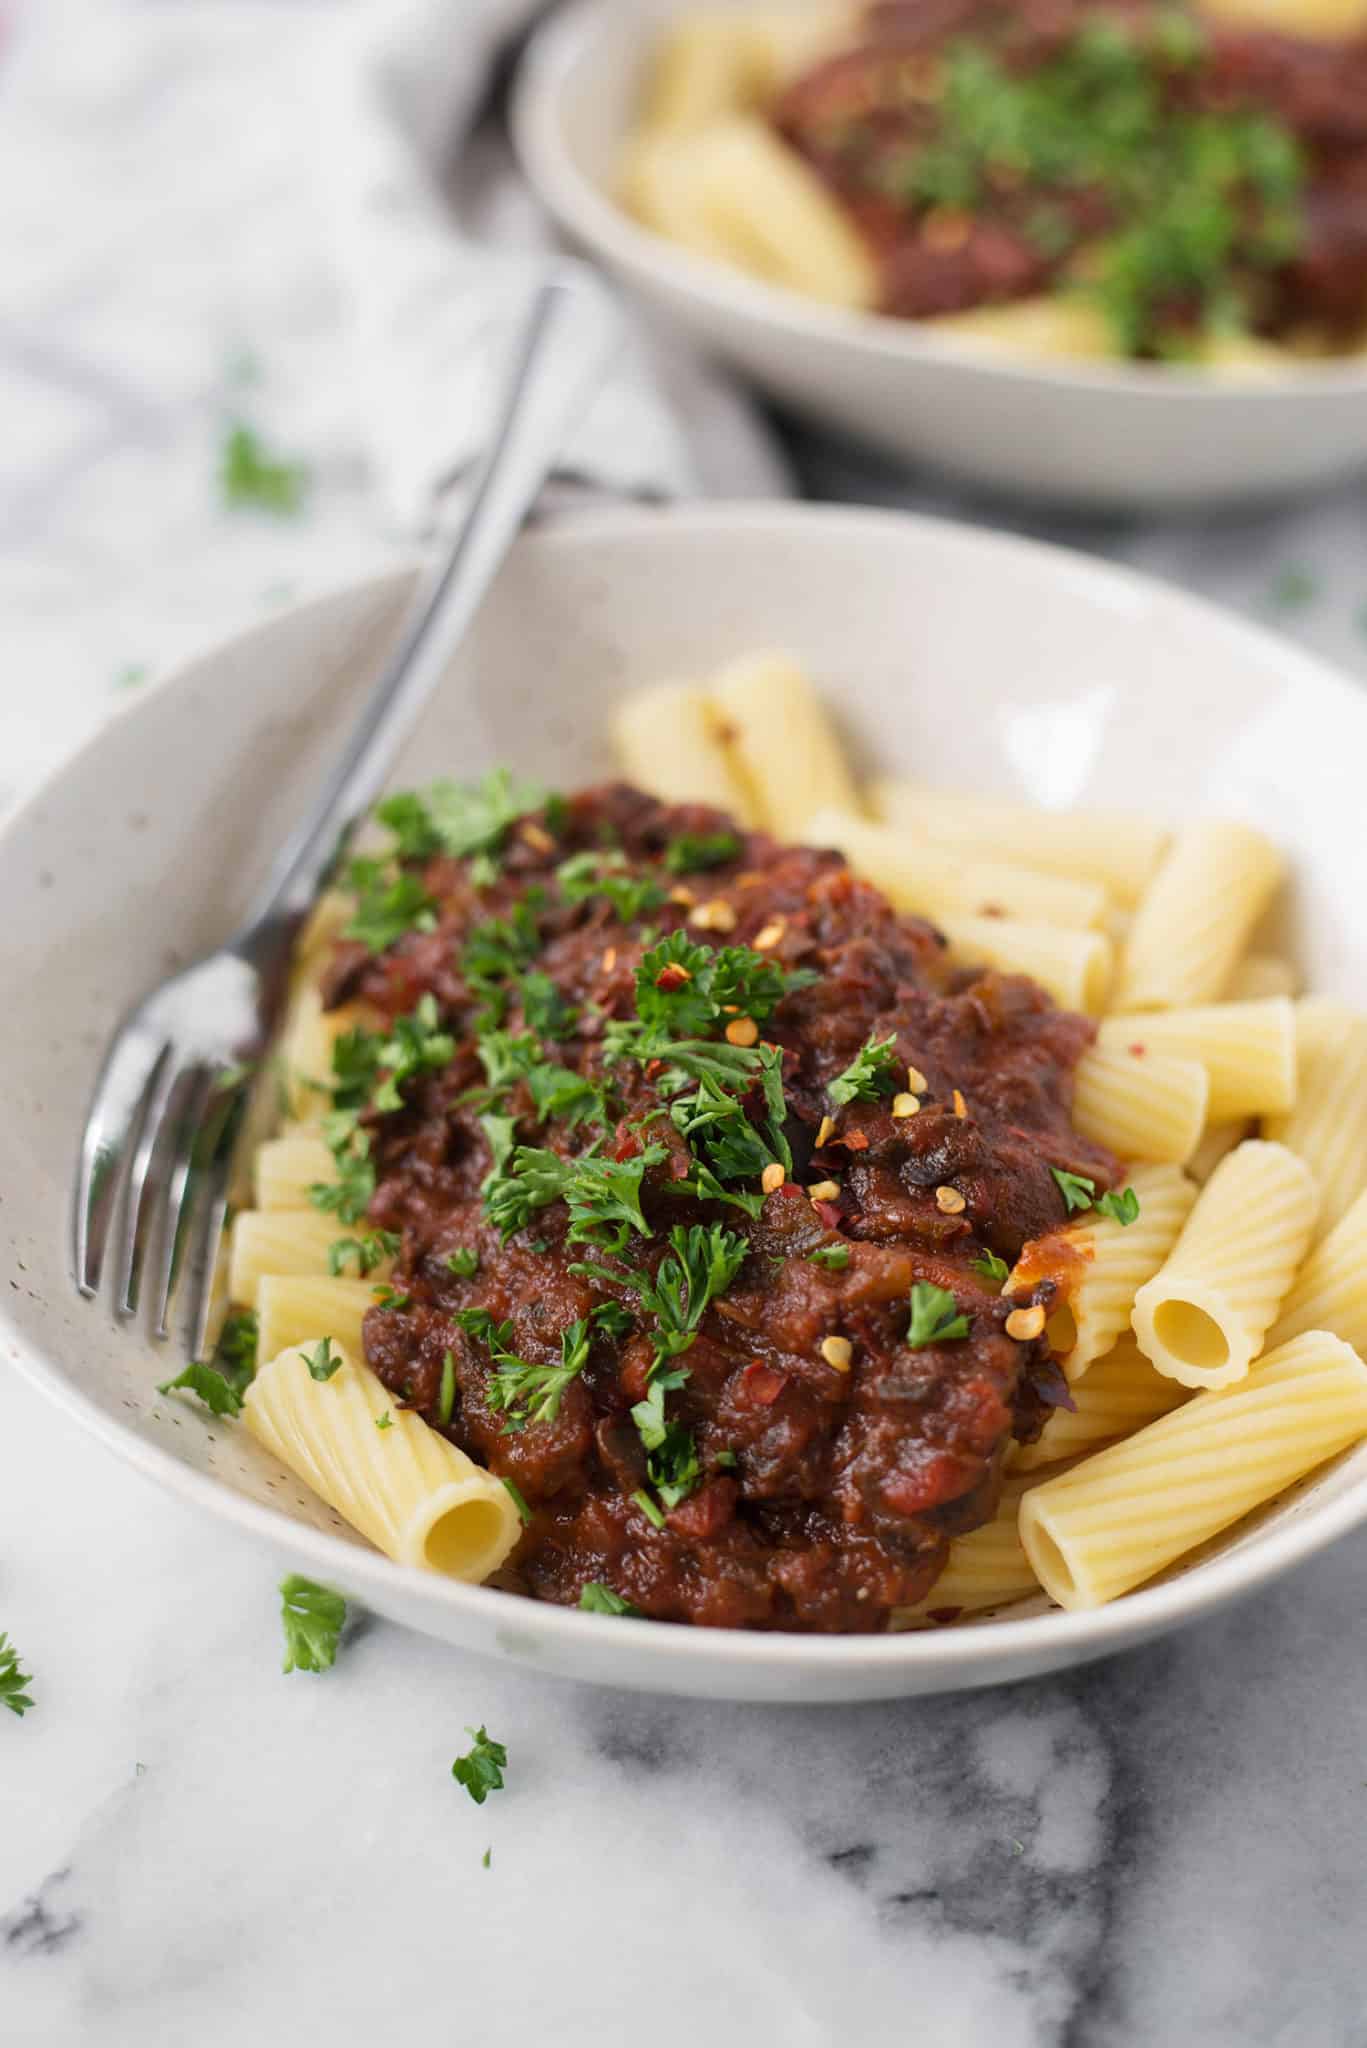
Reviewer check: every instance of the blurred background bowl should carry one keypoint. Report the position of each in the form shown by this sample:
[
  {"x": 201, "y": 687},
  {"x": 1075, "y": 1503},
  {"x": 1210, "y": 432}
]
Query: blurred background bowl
[{"x": 1107, "y": 436}]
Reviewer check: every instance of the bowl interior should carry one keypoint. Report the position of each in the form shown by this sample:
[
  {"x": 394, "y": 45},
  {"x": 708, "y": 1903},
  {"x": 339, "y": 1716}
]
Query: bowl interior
[{"x": 965, "y": 659}]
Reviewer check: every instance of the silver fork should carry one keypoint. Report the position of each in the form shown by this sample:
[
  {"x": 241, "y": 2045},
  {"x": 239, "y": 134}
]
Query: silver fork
[{"x": 157, "y": 1146}]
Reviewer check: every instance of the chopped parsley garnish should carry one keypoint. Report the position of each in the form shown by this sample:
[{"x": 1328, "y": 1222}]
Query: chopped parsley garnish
[
  {"x": 726, "y": 1461},
  {"x": 544, "y": 1008},
  {"x": 1077, "y": 1191},
  {"x": 522, "y": 1391},
  {"x": 446, "y": 1398},
  {"x": 362, "y": 1253},
  {"x": 649, "y": 1508},
  {"x": 586, "y": 875},
  {"x": 992, "y": 1267},
  {"x": 1120, "y": 1203},
  {"x": 683, "y": 988},
  {"x": 13, "y": 1680},
  {"x": 249, "y": 475},
  {"x": 389, "y": 1297},
  {"x": 463, "y": 1262},
  {"x": 385, "y": 1421},
  {"x": 458, "y": 818},
  {"x": 1195, "y": 198},
  {"x": 322, "y": 1361},
  {"x": 672, "y": 1462},
  {"x": 523, "y": 1511},
  {"x": 350, "y": 1195},
  {"x": 418, "y": 1045},
  {"x": 935, "y": 1317},
  {"x": 736, "y": 1149},
  {"x": 603, "y": 1195},
  {"x": 509, "y": 1057},
  {"x": 313, "y": 1618},
  {"x": 832, "y": 1258},
  {"x": 596, "y": 1598},
  {"x": 874, "y": 1071},
  {"x": 692, "y": 853},
  {"x": 481, "y": 1769},
  {"x": 221, "y": 1383},
  {"x": 389, "y": 902}
]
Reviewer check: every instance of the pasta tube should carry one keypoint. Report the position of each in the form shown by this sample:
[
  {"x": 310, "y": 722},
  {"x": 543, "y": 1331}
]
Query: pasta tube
[
  {"x": 660, "y": 187},
  {"x": 1115, "y": 1396},
  {"x": 666, "y": 742},
  {"x": 1140, "y": 1107},
  {"x": 935, "y": 883},
  {"x": 1115, "y": 848},
  {"x": 1075, "y": 967},
  {"x": 987, "y": 1568},
  {"x": 1328, "y": 1126},
  {"x": 1119, "y": 1517},
  {"x": 1330, "y": 1292},
  {"x": 781, "y": 742},
  {"x": 1248, "y": 1050},
  {"x": 704, "y": 70},
  {"x": 1045, "y": 328},
  {"x": 1110, "y": 1261},
  {"x": 290, "y": 1241},
  {"x": 1332, "y": 20},
  {"x": 290, "y": 1306},
  {"x": 284, "y": 1169},
  {"x": 1202, "y": 1318},
  {"x": 1261, "y": 974},
  {"x": 1196, "y": 915},
  {"x": 415, "y": 1496},
  {"x": 306, "y": 1041},
  {"x": 779, "y": 218}
]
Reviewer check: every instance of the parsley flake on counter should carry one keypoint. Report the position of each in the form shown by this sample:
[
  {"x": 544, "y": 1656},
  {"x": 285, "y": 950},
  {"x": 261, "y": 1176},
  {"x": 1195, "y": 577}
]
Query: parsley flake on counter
[
  {"x": 874, "y": 1071},
  {"x": 935, "y": 1317},
  {"x": 481, "y": 1769},
  {"x": 596, "y": 1598},
  {"x": 1292, "y": 588},
  {"x": 13, "y": 1680},
  {"x": 250, "y": 476},
  {"x": 313, "y": 1618}
]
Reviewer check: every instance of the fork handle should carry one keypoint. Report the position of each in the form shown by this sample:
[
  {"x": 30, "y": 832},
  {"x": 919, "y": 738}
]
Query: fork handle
[{"x": 569, "y": 335}]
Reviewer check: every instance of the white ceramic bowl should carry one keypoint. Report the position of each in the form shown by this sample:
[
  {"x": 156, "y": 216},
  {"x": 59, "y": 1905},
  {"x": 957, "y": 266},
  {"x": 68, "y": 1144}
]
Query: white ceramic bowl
[
  {"x": 1103, "y": 435},
  {"x": 972, "y": 659}
]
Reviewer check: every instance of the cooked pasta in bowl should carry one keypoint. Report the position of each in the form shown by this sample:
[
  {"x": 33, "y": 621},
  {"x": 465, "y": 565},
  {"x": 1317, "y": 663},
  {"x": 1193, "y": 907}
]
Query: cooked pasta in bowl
[
  {"x": 820, "y": 1164},
  {"x": 1138, "y": 231}
]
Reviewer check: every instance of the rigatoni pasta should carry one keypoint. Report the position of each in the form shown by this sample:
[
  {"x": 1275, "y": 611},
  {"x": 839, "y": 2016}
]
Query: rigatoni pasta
[
  {"x": 418, "y": 1499},
  {"x": 1203, "y": 1316},
  {"x": 667, "y": 740},
  {"x": 1249, "y": 1050},
  {"x": 1141, "y": 1107},
  {"x": 780, "y": 740},
  {"x": 1074, "y": 966},
  {"x": 1330, "y": 1292},
  {"x": 1115, "y": 1396},
  {"x": 1195, "y": 918},
  {"x": 987, "y": 1568},
  {"x": 1328, "y": 1124},
  {"x": 939, "y": 884},
  {"x": 1125, "y": 1514},
  {"x": 1119, "y": 849}
]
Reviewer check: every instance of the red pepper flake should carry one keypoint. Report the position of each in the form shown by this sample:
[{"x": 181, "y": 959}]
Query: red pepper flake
[
  {"x": 1138, "y": 1049},
  {"x": 829, "y": 1214},
  {"x": 857, "y": 1141},
  {"x": 672, "y": 977},
  {"x": 760, "y": 1385},
  {"x": 627, "y": 1146}
]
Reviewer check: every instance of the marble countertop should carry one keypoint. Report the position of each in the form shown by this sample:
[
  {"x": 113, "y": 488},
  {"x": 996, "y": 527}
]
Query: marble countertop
[{"x": 1167, "y": 1849}]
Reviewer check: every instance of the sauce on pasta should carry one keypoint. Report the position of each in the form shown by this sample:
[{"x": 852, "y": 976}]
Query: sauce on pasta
[
  {"x": 1185, "y": 178},
  {"x": 703, "y": 1170}
]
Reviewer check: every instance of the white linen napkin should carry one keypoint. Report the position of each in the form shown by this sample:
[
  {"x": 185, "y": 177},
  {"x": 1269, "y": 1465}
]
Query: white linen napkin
[{"x": 440, "y": 242}]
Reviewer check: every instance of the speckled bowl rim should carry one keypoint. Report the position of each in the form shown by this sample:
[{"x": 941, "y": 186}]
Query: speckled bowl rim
[{"x": 961, "y": 1654}]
